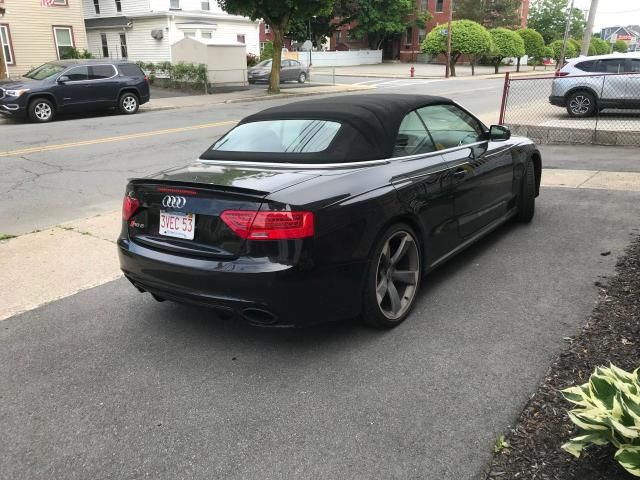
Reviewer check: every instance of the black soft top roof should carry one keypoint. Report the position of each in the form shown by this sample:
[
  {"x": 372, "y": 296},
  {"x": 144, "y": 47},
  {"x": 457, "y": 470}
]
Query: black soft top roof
[{"x": 372, "y": 122}]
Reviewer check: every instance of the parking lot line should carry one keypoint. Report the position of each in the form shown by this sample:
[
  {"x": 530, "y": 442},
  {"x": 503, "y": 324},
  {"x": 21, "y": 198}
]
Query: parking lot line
[{"x": 119, "y": 138}]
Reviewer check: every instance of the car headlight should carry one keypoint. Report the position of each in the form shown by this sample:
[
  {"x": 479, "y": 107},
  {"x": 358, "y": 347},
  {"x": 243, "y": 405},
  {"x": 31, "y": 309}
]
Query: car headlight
[{"x": 16, "y": 93}]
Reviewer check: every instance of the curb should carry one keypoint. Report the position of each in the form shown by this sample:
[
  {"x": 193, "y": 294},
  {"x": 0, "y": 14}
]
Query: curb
[
  {"x": 545, "y": 135},
  {"x": 258, "y": 98}
]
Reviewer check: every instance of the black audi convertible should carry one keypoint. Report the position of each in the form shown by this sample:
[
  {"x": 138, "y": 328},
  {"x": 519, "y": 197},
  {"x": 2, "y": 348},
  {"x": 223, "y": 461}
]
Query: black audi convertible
[{"x": 326, "y": 209}]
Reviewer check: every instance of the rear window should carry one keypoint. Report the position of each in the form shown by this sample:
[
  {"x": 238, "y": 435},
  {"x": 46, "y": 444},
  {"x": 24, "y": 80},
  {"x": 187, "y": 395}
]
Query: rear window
[
  {"x": 586, "y": 66},
  {"x": 279, "y": 136},
  {"x": 130, "y": 70}
]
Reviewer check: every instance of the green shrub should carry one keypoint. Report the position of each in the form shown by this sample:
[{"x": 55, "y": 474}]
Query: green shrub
[
  {"x": 267, "y": 51},
  {"x": 608, "y": 411},
  {"x": 72, "y": 52},
  {"x": 252, "y": 59},
  {"x": 178, "y": 75}
]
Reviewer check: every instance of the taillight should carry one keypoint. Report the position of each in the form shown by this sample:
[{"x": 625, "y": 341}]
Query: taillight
[
  {"x": 254, "y": 225},
  {"x": 130, "y": 206},
  {"x": 560, "y": 73},
  {"x": 146, "y": 79}
]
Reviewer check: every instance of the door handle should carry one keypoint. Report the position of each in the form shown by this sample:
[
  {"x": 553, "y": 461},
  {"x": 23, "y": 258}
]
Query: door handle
[{"x": 460, "y": 173}]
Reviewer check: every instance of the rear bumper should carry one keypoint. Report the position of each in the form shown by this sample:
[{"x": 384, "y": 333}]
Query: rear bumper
[
  {"x": 258, "y": 290},
  {"x": 557, "y": 101}
]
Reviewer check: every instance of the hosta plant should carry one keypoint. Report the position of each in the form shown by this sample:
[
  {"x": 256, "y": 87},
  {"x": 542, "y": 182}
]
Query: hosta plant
[{"x": 608, "y": 411}]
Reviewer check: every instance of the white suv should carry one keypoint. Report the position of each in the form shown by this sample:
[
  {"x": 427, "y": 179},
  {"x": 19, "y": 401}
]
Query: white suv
[{"x": 586, "y": 85}]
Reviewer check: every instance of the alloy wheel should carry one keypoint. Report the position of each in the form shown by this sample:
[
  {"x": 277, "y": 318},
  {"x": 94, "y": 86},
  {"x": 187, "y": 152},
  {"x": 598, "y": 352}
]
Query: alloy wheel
[
  {"x": 580, "y": 105},
  {"x": 129, "y": 103},
  {"x": 42, "y": 111},
  {"x": 397, "y": 275}
]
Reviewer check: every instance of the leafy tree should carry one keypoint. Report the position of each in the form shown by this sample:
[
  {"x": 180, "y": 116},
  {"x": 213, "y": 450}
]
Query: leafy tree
[
  {"x": 620, "y": 46},
  {"x": 467, "y": 38},
  {"x": 549, "y": 18},
  {"x": 599, "y": 47},
  {"x": 506, "y": 43},
  {"x": 278, "y": 14},
  {"x": 533, "y": 45},
  {"x": 382, "y": 19},
  {"x": 343, "y": 12},
  {"x": 557, "y": 50},
  {"x": 489, "y": 13}
]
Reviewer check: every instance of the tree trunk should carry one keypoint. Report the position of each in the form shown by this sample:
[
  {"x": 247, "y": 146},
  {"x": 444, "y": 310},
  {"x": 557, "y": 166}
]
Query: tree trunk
[
  {"x": 276, "y": 60},
  {"x": 497, "y": 66},
  {"x": 518, "y": 67},
  {"x": 452, "y": 65},
  {"x": 473, "y": 66}
]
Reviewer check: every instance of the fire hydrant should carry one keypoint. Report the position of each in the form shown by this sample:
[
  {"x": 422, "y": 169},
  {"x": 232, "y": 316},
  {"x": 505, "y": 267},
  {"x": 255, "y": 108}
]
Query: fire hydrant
[{"x": 412, "y": 71}]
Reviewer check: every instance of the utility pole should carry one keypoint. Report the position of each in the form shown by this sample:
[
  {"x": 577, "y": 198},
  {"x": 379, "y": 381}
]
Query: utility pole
[
  {"x": 586, "y": 41},
  {"x": 567, "y": 31},
  {"x": 447, "y": 73}
]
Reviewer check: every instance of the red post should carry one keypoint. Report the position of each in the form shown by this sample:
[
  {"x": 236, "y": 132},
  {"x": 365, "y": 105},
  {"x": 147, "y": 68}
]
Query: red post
[
  {"x": 412, "y": 71},
  {"x": 505, "y": 96}
]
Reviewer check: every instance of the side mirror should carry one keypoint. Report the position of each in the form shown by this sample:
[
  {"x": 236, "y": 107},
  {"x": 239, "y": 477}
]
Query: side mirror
[
  {"x": 63, "y": 79},
  {"x": 499, "y": 133}
]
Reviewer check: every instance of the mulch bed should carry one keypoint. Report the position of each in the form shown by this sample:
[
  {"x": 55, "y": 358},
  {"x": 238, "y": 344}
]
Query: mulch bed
[{"x": 612, "y": 334}]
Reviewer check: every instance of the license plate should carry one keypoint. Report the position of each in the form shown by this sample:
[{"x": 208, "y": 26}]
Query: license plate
[{"x": 177, "y": 224}]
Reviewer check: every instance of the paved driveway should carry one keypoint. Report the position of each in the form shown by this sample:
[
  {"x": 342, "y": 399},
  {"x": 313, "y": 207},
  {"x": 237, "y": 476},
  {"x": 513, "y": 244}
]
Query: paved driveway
[{"x": 110, "y": 384}]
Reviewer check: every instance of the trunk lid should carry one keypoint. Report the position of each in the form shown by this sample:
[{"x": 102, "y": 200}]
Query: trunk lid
[{"x": 204, "y": 191}]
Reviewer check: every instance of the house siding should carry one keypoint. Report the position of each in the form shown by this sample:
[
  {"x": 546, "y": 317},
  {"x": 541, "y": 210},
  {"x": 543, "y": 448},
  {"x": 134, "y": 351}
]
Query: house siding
[
  {"x": 31, "y": 28},
  {"x": 108, "y": 8}
]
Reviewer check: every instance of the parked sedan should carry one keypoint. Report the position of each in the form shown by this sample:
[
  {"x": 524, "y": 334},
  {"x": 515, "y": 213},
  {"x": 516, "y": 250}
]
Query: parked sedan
[
  {"x": 290, "y": 70},
  {"x": 326, "y": 209},
  {"x": 67, "y": 86}
]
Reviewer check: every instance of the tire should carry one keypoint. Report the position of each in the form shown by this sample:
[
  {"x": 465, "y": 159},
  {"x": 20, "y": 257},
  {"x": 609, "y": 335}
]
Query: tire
[
  {"x": 302, "y": 77},
  {"x": 527, "y": 197},
  {"x": 581, "y": 104},
  {"x": 41, "y": 110},
  {"x": 381, "y": 307},
  {"x": 128, "y": 104}
]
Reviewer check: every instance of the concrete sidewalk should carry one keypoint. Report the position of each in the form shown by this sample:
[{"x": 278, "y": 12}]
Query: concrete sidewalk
[
  {"x": 251, "y": 95},
  {"x": 426, "y": 70},
  {"x": 44, "y": 266}
]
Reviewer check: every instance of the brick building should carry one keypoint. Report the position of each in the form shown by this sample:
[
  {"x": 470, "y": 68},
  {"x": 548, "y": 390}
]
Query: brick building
[
  {"x": 406, "y": 46},
  {"x": 266, "y": 36}
]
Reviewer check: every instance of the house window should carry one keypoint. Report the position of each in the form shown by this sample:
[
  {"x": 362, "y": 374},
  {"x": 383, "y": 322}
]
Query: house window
[
  {"x": 60, "y": 3},
  {"x": 205, "y": 34},
  {"x": 422, "y": 34},
  {"x": 189, "y": 34},
  {"x": 174, "y": 4},
  {"x": 267, "y": 28},
  {"x": 96, "y": 6},
  {"x": 205, "y": 5},
  {"x": 5, "y": 42},
  {"x": 439, "y": 6},
  {"x": 105, "y": 45},
  {"x": 338, "y": 36},
  {"x": 409, "y": 36},
  {"x": 118, "y": 6},
  {"x": 64, "y": 40},
  {"x": 240, "y": 38},
  {"x": 123, "y": 46},
  {"x": 424, "y": 5}
]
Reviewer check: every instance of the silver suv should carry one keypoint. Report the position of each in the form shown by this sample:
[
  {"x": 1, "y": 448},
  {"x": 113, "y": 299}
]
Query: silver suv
[{"x": 587, "y": 85}]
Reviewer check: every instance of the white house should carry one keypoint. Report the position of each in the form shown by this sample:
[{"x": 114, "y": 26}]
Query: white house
[{"x": 146, "y": 29}]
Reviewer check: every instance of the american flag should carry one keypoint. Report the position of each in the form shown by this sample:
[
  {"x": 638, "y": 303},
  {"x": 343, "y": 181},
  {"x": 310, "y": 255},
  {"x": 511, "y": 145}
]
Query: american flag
[{"x": 46, "y": 3}]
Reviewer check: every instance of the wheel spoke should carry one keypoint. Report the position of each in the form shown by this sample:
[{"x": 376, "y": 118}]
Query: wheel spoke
[
  {"x": 402, "y": 249},
  {"x": 396, "y": 305},
  {"x": 408, "y": 277},
  {"x": 381, "y": 290}
]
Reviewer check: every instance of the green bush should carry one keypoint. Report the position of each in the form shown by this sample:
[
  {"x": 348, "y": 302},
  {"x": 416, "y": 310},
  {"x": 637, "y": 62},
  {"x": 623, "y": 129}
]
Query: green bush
[
  {"x": 267, "y": 51},
  {"x": 72, "y": 52},
  {"x": 178, "y": 75},
  {"x": 556, "y": 46},
  {"x": 533, "y": 43},
  {"x": 599, "y": 47},
  {"x": 608, "y": 411},
  {"x": 505, "y": 43},
  {"x": 620, "y": 46}
]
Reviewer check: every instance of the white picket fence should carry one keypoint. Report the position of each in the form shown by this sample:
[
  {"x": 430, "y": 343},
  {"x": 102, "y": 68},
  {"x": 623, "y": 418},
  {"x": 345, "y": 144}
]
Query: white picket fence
[{"x": 338, "y": 58}]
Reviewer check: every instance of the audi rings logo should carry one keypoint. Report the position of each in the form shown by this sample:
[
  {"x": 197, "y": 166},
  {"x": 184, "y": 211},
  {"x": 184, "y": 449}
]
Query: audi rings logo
[{"x": 171, "y": 201}]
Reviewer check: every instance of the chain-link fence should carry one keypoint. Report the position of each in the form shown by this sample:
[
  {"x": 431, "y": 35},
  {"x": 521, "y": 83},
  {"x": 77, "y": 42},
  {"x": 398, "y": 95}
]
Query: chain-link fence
[{"x": 599, "y": 109}]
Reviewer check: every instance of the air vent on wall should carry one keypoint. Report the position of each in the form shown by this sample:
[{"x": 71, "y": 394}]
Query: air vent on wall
[{"x": 157, "y": 34}]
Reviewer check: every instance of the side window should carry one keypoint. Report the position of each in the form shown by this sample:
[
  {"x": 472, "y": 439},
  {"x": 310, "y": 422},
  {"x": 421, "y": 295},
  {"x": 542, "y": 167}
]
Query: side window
[
  {"x": 615, "y": 65},
  {"x": 99, "y": 72},
  {"x": 450, "y": 126},
  {"x": 413, "y": 138},
  {"x": 586, "y": 66},
  {"x": 635, "y": 65},
  {"x": 78, "y": 74},
  {"x": 286, "y": 63},
  {"x": 130, "y": 70}
]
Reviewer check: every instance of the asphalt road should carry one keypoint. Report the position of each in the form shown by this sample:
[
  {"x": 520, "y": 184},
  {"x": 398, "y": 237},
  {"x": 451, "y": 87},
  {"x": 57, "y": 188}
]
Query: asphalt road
[
  {"x": 110, "y": 384},
  {"x": 73, "y": 182}
]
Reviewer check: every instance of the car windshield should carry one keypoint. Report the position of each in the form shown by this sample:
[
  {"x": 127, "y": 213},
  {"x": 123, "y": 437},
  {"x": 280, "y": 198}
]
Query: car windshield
[
  {"x": 264, "y": 63},
  {"x": 44, "y": 71},
  {"x": 279, "y": 136}
]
